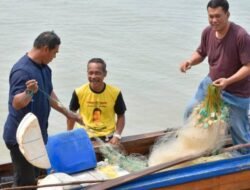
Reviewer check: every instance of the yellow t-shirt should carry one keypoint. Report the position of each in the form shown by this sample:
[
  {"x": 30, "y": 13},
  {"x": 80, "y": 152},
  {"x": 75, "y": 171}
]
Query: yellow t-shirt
[{"x": 97, "y": 109}]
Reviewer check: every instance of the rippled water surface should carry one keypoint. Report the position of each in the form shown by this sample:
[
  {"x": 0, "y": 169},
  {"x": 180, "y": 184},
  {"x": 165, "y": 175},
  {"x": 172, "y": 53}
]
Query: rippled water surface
[{"x": 143, "y": 43}]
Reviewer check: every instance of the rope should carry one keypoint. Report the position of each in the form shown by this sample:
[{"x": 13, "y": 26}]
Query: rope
[{"x": 50, "y": 98}]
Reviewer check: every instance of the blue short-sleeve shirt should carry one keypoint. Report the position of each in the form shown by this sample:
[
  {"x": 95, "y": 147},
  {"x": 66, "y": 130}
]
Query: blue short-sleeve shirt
[{"x": 26, "y": 69}]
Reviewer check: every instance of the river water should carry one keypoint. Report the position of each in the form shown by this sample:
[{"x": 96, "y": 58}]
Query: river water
[{"x": 143, "y": 42}]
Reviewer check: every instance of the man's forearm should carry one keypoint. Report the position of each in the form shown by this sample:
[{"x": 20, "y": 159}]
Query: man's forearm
[
  {"x": 120, "y": 124},
  {"x": 70, "y": 124},
  {"x": 21, "y": 100},
  {"x": 196, "y": 59},
  {"x": 240, "y": 74}
]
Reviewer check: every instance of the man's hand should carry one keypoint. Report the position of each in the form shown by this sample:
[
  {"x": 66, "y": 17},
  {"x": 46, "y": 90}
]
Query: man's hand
[
  {"x": 32, "y": 85},
  {"x": 114, "y": 141},
  {"x": 222, "y": 83},
  {"x": 75, "y": 117},
  {"x": 185, "y": 66}
]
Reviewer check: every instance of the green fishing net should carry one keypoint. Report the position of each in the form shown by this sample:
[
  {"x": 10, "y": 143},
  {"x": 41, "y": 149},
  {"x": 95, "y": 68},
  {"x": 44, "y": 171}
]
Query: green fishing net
[
  {"x": 204, "y": 131},
  {"x": 212, "y": 109},
  {"x": 114, "y": 156}
]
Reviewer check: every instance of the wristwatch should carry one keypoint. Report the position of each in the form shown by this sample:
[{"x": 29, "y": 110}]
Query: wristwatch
[{"x": 29, "y": 92}]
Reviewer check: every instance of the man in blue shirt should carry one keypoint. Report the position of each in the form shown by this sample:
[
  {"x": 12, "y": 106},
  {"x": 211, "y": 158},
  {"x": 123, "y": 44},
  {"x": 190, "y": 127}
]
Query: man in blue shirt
[{"x": 31, "y": 90}]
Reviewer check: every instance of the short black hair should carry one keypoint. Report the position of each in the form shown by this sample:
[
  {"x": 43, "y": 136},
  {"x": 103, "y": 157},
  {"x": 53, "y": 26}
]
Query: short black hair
[
  {"x": 97, "y": 109},
  {"x": 98, "y": 60},
  {"x": 218, "y": 3},
  {"x": 48, "y": 38}
]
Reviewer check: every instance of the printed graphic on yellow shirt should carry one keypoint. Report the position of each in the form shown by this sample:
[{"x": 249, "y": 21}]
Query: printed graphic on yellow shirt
[
  {"x": 100, "y": 122},
  {"x": 97, "y": 113},
  {"x": 97, "y": 123}
]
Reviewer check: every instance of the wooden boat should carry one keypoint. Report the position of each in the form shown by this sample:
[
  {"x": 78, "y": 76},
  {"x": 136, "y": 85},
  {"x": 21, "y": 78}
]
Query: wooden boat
[
  {"x": 227, "y": 174},
  {"x": 135, "y": 143}
]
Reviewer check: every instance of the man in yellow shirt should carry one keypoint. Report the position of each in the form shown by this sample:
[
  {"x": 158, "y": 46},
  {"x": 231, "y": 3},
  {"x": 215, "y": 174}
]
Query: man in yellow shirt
[{"x": 101, "y": 105}]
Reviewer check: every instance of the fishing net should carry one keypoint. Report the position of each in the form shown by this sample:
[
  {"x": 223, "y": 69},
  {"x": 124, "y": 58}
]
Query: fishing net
[
  {"x": 114, "y": 155},
  {"x": 205, "y": 131}
]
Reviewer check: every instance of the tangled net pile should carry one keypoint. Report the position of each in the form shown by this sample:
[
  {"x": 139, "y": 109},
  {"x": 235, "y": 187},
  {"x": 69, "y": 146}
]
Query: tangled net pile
[
  {"x": 211, "y": 111},
  {"x": 114, "y": 156},
  {"x": 205, "y": 131}
]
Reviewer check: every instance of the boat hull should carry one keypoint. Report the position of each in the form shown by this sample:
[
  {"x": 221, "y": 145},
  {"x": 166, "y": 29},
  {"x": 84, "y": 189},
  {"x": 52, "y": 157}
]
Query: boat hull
[
  {"x": 228, "y": 174},
  {"x": 225, "y": 174}
]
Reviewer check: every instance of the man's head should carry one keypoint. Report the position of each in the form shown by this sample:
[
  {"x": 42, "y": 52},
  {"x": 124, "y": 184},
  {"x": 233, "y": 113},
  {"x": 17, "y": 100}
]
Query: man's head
[
  {"x": 48, "y": 45},
  {"x": 96, "y": 73},
  {"x": 218, "y": 14},
  {"x": 218, "y": 3}
]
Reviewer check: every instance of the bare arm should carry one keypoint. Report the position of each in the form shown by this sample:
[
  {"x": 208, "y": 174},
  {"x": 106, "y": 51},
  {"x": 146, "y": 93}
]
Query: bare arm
[
  {"x": 22, "y": 99},
  {"x": 196, "y": 59},
  {"x": 55, "y": 103},
  {"x": 120, "y": 123},
  {"x": 242, "y": 73},
  {"x": 70, "y": 124}
]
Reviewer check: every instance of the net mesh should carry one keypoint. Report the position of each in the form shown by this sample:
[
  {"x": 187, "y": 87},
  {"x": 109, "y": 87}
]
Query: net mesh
[
  {"x": 205, "y": 131},
  {"x": 115, "y": 156}
]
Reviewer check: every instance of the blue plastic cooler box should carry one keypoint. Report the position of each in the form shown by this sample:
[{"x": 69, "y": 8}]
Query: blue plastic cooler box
[{"x": 71, "y": 152}]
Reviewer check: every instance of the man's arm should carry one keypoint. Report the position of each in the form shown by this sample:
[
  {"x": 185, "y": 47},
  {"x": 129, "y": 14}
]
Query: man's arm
[
  {"x": 70, "y": 124},
  {"x": 73, "y": 106},
  {"x": 22, "y": 99},
  {"x": 195, "y": 59},
  {"x": 120, "y": 123},
  {"x": 242, "y": 73},
  {"x": 55, "y": 103}
]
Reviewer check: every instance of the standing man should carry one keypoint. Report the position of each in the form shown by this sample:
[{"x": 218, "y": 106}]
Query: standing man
[
  {"x": 101, "y": 105},
  {"x": 31, "y": 90},
  {"x": 227, "y": 46}
]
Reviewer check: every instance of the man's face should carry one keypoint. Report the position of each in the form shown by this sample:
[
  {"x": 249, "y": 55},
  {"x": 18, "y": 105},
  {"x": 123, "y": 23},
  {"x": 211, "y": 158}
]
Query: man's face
[
  {"x": 97, "y": 116},
  {"x": 218, "y": 18},
  {"x": 49, "y": 54},
  {"x": 96, "y": 75}
]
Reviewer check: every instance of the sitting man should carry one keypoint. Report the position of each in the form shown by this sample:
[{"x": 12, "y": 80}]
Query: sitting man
[{"x": 98, "y": 104}]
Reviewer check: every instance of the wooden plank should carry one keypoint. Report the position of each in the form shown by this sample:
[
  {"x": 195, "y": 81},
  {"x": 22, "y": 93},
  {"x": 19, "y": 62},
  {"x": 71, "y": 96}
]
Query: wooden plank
[
  {"x": 235, "y": 181},
  {"x": 6, "y": 169}
]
